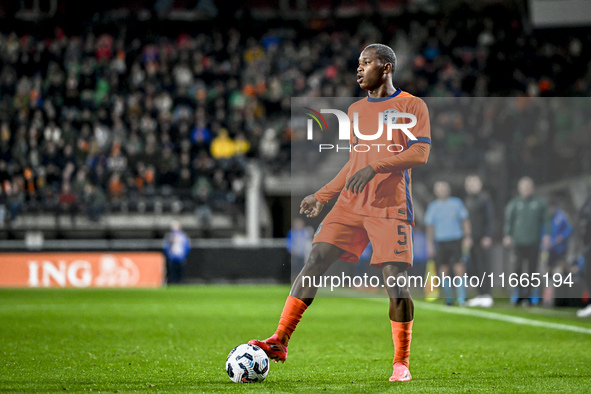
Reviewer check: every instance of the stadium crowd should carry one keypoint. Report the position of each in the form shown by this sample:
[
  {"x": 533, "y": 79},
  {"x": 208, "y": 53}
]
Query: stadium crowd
[{"x": 106, "y": 121}]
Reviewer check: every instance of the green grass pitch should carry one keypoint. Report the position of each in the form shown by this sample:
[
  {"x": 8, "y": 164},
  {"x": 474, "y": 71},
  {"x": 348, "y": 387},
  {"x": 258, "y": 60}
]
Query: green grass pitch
[{"x": 177, "y": 339}]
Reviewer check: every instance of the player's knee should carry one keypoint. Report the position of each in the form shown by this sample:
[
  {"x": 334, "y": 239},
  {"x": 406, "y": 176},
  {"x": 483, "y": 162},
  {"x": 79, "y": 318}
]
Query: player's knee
[
  {"x": 314, "y": 263},
  {"x": 403, "y": 292}
]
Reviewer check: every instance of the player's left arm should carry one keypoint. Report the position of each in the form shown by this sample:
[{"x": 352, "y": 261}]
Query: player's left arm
[{"x": 415, "y": 155}]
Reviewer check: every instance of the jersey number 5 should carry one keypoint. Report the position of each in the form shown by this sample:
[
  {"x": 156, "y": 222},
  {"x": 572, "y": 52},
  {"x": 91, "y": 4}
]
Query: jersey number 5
[{"x": 401, "y": 232}]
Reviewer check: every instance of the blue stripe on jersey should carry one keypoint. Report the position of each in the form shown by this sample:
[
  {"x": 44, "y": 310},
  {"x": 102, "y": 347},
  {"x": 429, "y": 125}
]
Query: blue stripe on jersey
[
  {"x": 426, "y": 140},
  {"x": 409, "y": 212},
  {"x": 377, "y": 100},
  {"x": 412, "y": 245}
]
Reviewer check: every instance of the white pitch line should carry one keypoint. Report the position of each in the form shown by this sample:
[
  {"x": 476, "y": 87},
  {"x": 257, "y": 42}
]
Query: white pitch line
[{"x": 500, "y": 317}]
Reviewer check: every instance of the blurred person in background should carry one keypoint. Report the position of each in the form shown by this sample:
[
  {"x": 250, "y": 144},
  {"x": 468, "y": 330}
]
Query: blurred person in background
[
  {"x": 299, "y": 243},
  {"x": 95, "y": 202},
  {"x": 481, "y": 214},
  {"x": 560, "y": 232},
  {"x": 201, "y": 193},
  {"x": 222, "y": 146},
  {"x": 448, "y": 232},
  {"x": 116, "y": 188},
  {"x": 15, "y": 197},
  {"x": 67, "y": 203},
  {"x": 525, "y": 215},
  {"x": 176, "y": 248}
]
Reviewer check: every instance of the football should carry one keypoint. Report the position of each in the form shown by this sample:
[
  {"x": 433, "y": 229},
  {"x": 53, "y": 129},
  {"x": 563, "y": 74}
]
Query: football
[{"x": 247, "y": 364}]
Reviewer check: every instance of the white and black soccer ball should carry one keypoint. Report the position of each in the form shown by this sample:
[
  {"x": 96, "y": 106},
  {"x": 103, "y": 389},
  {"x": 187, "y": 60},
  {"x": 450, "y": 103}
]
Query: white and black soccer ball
[{"x": 247, "y": 364}]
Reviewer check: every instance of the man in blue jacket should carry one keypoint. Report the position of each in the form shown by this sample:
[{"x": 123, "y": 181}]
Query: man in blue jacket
[
  {"x": 176, "y": 247},
  {"x": 560, "y": 232}
]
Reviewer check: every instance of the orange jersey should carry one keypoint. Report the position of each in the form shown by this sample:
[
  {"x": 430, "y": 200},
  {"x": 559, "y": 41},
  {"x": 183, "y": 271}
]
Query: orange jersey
[{"x": 388, "y": 194}]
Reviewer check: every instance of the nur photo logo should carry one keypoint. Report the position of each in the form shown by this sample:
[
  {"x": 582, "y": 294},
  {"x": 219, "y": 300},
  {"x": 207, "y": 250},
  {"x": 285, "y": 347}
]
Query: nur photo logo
[{"x": 389, "y": 118}]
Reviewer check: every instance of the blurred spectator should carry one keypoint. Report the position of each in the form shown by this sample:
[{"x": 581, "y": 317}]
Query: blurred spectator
[
  {"x": 201, "y": 193},
  {"x": 110, "y": 102},
  {"x": 94, "y": 202},
  {"x": 560, "y": 232},
  {"x": 176, "y": 248},
  {"x": 116, "y": 188},
  {"x": 481, "y": 215},
  {"x": 67, "y": 203},
  {"x": 525, "y": 215},
  {"x": 222, "y": 146},
  {"x": 3, "y": 210},
  {"x": 15, "y": 197},
  {"x": 448, "y": 233}
]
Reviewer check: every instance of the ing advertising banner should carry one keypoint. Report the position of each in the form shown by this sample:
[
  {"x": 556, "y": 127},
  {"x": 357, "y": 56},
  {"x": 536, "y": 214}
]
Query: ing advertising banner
[{"x": 80, "y": 270}]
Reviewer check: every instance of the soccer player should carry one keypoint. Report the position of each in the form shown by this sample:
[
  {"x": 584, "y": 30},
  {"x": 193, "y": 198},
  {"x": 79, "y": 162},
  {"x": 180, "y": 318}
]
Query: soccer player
[{"x": 374, "y": 204}]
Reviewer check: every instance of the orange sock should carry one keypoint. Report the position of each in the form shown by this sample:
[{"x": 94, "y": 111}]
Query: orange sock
[
  {"x": 401, "y": 335},
  {"x": 290, "y": 317}
]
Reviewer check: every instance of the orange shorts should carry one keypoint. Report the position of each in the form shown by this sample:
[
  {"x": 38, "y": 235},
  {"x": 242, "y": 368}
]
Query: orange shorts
[{"x": 391, "y": 239}]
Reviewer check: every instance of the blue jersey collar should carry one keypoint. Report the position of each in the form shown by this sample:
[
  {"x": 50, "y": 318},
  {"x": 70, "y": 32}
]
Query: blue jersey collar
[{"x": 377, "y": 100}]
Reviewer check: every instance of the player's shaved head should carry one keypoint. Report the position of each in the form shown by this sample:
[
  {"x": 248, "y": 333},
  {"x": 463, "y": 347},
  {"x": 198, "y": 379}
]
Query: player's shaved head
[{"x": 384, "y": 53}]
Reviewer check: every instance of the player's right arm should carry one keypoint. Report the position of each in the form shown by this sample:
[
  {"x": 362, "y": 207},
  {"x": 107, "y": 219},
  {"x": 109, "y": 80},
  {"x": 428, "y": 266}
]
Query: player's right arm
[
  {"x": 312, "y": 205},
  {"x": 334, "y": 187}
]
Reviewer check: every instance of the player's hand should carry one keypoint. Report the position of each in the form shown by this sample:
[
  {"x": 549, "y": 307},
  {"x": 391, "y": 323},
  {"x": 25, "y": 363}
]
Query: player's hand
[
  {"x": 508, "y": 241},
  {"x": 310, "y": 206},
  {"x": 360, "y": 179},
  {"x": 486, "y": 242}
]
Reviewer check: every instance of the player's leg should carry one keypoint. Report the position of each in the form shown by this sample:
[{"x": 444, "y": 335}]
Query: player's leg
[
  {"x": 533, "y": 256},
  {"x": 518, "y": 292},
  {"x": 341, "y": 235},
  {"x": 459, "y": 271},
  {"x": 442, "y": 259},
  {"x": 401, "y": 313},
  {"x": 393, "y": 251},
  {"x": 479, "y": 266},
  {"x": 303, "y": 291},
  {"x": 321, "y": 257}
]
